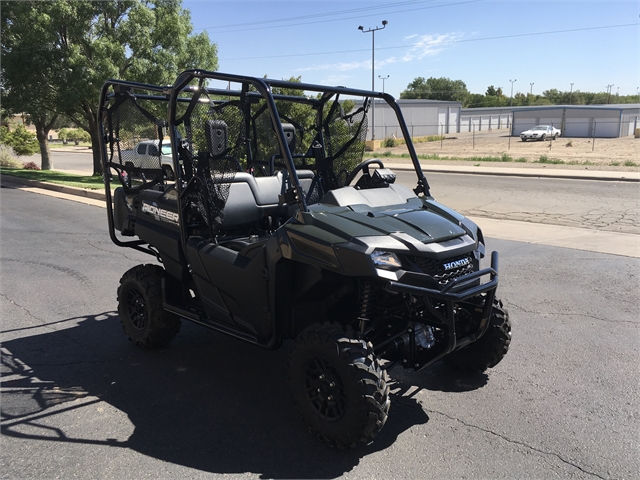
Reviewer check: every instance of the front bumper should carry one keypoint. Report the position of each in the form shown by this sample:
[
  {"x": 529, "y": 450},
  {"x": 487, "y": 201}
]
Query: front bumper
[{"x": 455, "y": 291}]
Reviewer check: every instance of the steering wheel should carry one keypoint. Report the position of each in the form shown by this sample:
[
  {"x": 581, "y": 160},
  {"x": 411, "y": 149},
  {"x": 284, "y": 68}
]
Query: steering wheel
[{"x": 364, "y": 166}]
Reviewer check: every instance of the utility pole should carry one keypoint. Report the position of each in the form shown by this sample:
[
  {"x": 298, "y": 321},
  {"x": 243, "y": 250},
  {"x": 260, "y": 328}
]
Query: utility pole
[
  {"x": 373, "y": 68},
  {"x": 609, "y": 92},
  {"x": 531, "y": 92},
  {"x": 511, "y": 98},
  {"x": 571, "y": 94},
  {"x": 383, "y": 79}
]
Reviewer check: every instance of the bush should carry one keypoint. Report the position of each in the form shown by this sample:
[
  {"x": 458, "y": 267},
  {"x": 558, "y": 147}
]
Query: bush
[
  {"x": 23, "y": 142},
  {"x": 569, "y": 143},
  {"x": 8, "y": 157},
  {"x": 389, "y": 142},
  {"x": 31, "y": 166},
  {"x": 76, "y": 135}
]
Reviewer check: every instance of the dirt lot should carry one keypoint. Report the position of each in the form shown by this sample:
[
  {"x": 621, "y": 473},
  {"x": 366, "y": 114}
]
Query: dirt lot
[{"x": 576, "y": 153}]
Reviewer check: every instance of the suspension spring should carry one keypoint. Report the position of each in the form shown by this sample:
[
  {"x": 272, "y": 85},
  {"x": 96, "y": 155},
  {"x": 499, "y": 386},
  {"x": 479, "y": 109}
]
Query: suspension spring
[{"x": 366, "y": 304}]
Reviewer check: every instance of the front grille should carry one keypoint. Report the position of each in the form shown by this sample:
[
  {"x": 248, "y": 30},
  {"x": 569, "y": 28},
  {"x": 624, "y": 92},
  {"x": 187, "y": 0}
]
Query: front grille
[{"x": 436, "y": 268}]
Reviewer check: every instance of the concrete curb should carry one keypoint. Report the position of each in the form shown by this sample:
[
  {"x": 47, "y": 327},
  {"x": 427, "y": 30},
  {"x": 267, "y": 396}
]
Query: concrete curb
[{"x": 80, "y": 192}]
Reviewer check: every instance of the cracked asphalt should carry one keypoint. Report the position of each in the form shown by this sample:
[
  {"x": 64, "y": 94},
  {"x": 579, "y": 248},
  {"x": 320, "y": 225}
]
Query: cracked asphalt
[
  {"x": 79, "y": 401},
  {"x": 612, "y": 206}
]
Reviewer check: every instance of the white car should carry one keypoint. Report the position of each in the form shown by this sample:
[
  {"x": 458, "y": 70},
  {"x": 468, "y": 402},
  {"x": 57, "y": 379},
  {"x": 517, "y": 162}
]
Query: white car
[{"x": 540, "y": 132}]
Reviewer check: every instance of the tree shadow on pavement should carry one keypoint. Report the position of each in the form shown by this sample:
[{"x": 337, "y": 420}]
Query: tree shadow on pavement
[{"x": 207, "y": 401}]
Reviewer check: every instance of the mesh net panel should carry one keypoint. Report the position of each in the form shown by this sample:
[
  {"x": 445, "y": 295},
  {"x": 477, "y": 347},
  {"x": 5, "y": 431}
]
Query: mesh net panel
[
  {"x": 345, "y": 140},
  {"x": 134, "y": 142},
  {"x": 216, "y": 139}
]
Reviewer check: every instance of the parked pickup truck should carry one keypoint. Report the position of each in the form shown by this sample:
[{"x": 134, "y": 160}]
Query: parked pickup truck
[{"x": 146, "y": 154}]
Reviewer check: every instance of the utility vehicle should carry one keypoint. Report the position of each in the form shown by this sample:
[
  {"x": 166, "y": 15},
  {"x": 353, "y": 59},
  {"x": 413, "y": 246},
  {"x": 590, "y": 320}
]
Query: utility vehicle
[{"x": 277, "y": 228}]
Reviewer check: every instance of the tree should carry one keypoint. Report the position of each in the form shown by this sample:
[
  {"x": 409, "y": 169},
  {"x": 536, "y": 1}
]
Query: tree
[
  {"x": 81, "y": 44},
  {"x": 442, "y": 88}
]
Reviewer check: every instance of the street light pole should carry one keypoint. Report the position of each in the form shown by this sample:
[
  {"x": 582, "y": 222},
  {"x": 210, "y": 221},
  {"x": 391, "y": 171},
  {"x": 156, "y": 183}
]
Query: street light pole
[
  {"x": 571, "y": 94},
  {"x": 373, "y": 68},
  {"x": 383, "y": 79},
  {"x": 609, "y": 92},
  {"x": 531, "y": 92},
  {"x": 511, "y": 98}
]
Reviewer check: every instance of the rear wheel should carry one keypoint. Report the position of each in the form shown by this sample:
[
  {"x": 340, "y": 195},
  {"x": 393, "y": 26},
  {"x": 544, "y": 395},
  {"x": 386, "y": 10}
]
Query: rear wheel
[
  {"x": 490, "y": 349},
  {"x": 555, "y": 137},
  {"x": 142, "y": 315},
  {"x": 338, "y": 385}
]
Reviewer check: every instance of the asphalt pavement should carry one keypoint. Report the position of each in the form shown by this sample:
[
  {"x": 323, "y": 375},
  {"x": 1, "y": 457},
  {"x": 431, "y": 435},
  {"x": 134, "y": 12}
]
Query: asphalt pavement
[{"x": 80, "y": 401}]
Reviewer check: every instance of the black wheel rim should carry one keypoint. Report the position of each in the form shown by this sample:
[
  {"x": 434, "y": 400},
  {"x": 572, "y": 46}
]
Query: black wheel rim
[
  {"x": 137, "y": 309},
  {"x": 324, "y": 389}
]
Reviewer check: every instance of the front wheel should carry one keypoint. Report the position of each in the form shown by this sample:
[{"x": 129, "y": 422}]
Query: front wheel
[
  {"x": 490, "y": 349},
  {"x": 338, "y": 385},
  {"x": 140, "y": 308},
  {"x": 543, "y": 137}
]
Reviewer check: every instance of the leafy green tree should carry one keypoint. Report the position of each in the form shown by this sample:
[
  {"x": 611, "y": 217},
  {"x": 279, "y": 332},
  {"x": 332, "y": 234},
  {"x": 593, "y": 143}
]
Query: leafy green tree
[
  {"x": 22, "y": 141},
  {"x": 81, "y": 44},
  {"x": 416, "y": 89},
  {"x": 442, "y": 88}
]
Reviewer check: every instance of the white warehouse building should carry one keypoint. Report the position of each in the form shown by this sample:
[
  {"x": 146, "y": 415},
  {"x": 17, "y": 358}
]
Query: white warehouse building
[
  {"x": 485, "y": 119},
  {"x": 423, "y": 118},
  {"x": 600, "y": 121},
  {"x": 434, "y": 117}
]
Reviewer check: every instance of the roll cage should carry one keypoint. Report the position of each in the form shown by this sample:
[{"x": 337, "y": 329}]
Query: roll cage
[{"x": 262, "y": 127}]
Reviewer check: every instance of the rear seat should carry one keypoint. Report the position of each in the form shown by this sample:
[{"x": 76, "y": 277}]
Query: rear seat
[{"x": 252, "y": 198}]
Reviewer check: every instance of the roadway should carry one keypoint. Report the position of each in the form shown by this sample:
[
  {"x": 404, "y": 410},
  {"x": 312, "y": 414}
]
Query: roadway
[{"x": 79, "y": 401}]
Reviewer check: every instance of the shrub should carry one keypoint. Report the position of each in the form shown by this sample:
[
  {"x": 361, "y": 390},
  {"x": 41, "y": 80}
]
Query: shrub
[
  {"x": 8, "y": 157},
  {"x": 569, "y": 144},
  {"x": 23, "y": 142},
  {"x": 389, "y": 142},
  {"x": 76, "y": 135},
  {"x": 630, "y": 163},
  {"x": 554, "y": 161},
  {"x": 31, "y": 166}
]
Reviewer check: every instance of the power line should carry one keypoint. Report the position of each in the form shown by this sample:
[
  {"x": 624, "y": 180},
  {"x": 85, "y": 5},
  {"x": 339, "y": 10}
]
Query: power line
[
  {"x": 443, "y": 43},
  {"x": 327, "y": 14},
  {"x": 346, "y": 18}
]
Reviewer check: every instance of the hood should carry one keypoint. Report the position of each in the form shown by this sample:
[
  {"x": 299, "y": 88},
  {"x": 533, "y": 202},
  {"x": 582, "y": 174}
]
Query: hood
[{"x": 423, "y": 225}]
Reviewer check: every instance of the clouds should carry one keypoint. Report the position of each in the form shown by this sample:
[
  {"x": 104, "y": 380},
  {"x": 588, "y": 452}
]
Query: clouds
[
  {"x": 427, "y": 45},
  {"x": 418, "y": 47}
]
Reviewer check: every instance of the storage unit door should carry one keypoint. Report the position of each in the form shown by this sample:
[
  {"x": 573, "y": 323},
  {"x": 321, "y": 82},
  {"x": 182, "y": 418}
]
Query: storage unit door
[
  {"x": 576, "y": 127},
  {"x": 522, "y": 124}
]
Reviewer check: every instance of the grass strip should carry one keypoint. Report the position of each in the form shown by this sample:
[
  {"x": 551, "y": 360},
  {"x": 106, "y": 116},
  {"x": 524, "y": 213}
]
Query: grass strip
[{"x": 53, "y": 176}]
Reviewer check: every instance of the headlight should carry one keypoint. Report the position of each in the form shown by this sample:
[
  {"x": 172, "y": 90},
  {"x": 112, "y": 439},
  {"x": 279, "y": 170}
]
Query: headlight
[{"x": 386, "y": 260}]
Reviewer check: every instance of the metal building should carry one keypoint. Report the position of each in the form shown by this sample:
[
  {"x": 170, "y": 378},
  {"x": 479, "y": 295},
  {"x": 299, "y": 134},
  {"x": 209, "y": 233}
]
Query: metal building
[
  {"x": 601, "y": 121},
  {"x": 485, "y": 119},
  {"x": 423, "y": 118}
]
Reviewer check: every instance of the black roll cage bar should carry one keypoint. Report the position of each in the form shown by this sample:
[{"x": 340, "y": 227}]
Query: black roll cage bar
[{"x": 263, "y": 87}]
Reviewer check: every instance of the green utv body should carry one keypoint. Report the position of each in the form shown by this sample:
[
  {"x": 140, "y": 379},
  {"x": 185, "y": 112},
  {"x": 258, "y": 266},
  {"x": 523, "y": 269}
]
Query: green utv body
[{"x": 272, "y": 225}]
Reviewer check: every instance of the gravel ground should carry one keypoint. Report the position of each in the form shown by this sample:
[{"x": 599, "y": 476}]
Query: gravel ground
[{"x": 576, "y": 153}]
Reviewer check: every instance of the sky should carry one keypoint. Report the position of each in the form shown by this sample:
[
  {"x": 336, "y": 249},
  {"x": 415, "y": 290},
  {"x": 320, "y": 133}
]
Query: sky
[{"x": 531, "y": 46}]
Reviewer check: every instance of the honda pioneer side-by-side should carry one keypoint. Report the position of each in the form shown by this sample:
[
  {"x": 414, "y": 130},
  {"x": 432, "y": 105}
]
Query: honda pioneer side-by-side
[{"x": 274, "y": 226}]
